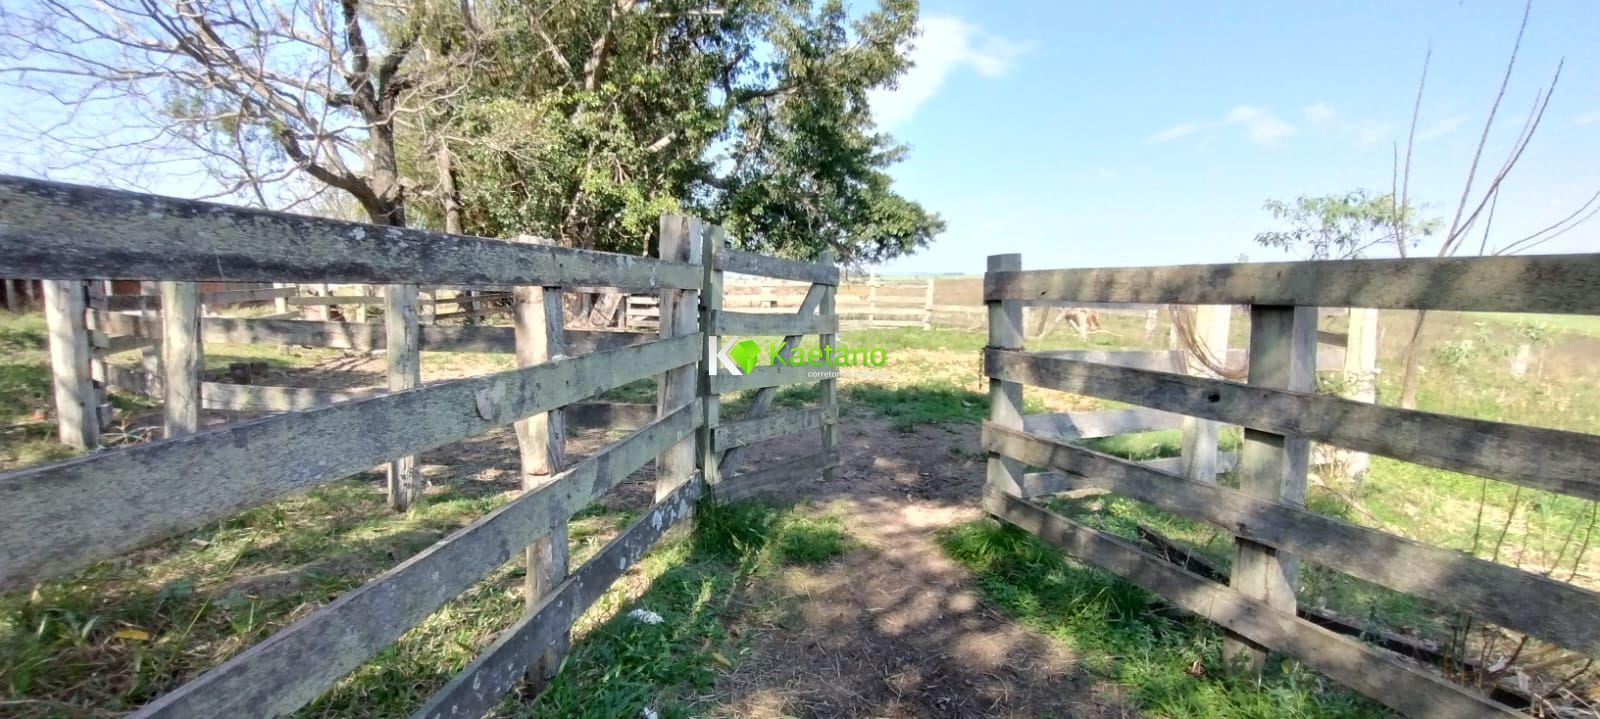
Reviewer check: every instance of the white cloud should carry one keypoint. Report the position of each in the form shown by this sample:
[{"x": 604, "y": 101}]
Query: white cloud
[
  {"x": 1588, "y": 118},
  {"x": 1441, "y": 128},
  {"x": 1320, "y": 114},
  {"x": 1262, "y": 127},
  {"x": 946, "y": 44},
  {"x": 1371, "y": 134},
  {"x": 1183, "y": 129}
]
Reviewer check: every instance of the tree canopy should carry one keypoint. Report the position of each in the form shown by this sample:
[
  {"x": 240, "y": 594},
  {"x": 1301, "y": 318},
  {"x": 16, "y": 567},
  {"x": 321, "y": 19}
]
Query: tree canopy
[
  {"x": 577, "y": 120},
  {"x": 1344, "y": 227}
]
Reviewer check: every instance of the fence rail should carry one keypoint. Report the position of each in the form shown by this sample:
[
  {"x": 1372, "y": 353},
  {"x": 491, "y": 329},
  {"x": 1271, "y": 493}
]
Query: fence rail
[
  {"x": 1280, "y": 415},
  {"x": 60, "y": 517}
]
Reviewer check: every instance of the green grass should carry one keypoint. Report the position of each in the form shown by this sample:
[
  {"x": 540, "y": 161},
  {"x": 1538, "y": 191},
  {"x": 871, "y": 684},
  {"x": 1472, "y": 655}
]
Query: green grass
[{"x": 1171, "y": 665}]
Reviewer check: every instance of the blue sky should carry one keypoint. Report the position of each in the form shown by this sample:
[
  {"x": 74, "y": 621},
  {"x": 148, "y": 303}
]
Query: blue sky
[{"x": 1106, "y": 134}]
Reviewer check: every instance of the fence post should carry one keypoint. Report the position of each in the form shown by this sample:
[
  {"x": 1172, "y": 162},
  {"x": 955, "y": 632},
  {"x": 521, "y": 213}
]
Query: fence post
[
  {"x": 76, "y": 423},
  {"x": 541, "y": 442},
  {"x": 402, "y": 340},
  {"x": 1283, "y": 346},
  {"x": 180, "y": 357},
  {"x": 680, "y": 315},
  {"x": 1197, "y": 456},
  {"x": 829, "y": 388},
  {"x": 710, "y": 304},
  {"x": 12, "y": 296},
  {"x": 150, "y": 355},
  {"x": 96, "y": 305},
  {"x": 872, "y": 295},
  {"x": 1005, "y": 398}
]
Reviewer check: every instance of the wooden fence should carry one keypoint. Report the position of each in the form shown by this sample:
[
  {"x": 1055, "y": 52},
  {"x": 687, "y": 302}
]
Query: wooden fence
[
  {"x": 1281, "y": 415},
  {"x": 60, "y": 517}
]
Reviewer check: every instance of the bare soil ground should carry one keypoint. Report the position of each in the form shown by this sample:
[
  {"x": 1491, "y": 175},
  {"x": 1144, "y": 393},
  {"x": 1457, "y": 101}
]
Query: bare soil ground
[{"x": 894, "y": 628}]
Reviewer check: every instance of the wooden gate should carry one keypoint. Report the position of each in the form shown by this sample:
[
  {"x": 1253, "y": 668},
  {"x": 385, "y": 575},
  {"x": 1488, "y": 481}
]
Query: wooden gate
[
  {"x": 1280, "y": 415},
  {"x": 60, "y": 517}
]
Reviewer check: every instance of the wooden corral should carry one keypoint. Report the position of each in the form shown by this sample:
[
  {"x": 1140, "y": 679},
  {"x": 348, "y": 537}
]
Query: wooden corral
[
  {"x": 1281, "y": 415},
  {"x": 60, "y": 517}
]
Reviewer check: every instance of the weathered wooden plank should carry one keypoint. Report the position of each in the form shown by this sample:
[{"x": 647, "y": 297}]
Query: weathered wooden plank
[
  {"x": 1521, "y": 601},
  {"x": 761, "y": 429},
  {"x": 707, "y": 456},
  {"x": 496, "y": 671},
  {"x": 1005, "y": 397},
  {"x": 58, "y": 230},
  {"x": 1365, "y": 669},
  {"x": 828, "y": 388},
  {"x": 146, "y": 492},
  {"x": 1040, "y": 484},
  {"x": 1331, "y": 359},
  {"x": 180, "y": 358},
  {"x": 132, "y": 379},
  {"x": 267, "y": 398},
  {"x": 541, "y": 448},
  {"x": 1101, "y": 423},
  {"x": 77, "y": 423},
  {"x": 773, "y": 375},
  {"x": 402, "y": 370},
  {"x": 335, "y": 300},
  {"x": 295, "y": 665},
  {"x": 766, "y": 324},
  {"x": 218, "y": 298},
  {"x": 1272, "y": 467},
  {"x": 762, "y": 402},
  {"x": 750, "y": 263},
  {"x": 777, "y": 476},
  {"x": 366, "y": 337},
  {"x": 681, "y": 241},
  {"x": 1557, "y": 284},
  {"x": 1548, "y": 459}
]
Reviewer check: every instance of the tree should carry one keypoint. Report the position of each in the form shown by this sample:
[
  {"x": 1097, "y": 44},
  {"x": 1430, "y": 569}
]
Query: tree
[
  {"x": 1478, "y": 209},
  {"x": 254, "y": 91},
  {"x": 593, "y": 118},
  {"x": 1344, "y": 227},
  {"x": 579, "y": 120}
]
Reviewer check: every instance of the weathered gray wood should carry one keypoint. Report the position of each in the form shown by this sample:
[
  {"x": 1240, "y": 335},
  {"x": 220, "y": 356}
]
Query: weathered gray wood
[
  {"x": 478, "y": 688},
  {"x": 1040, "y": 484},
  {"x": 1521, "y": 601},
  {"x": 1101, "y": 423},
  {"x": 1005, "y": 397},
  {"x": 133, "y": 379},
  {"x": 761, "y": 324},
  {"x": 681, "y": 239},
  {"x": 733, "y": 458},
  {"x": 336, "y": 300},
  {"x": 541, "y": 446},
  {"x": 266, "y": 398},
  {"x": 295, "y": 665},
  {"x": 1365, "y": 669},
  {"x": 1559, "y": 284},
  {"x": 366, "y": 337},
  {"x": 1329, "y": 360},
  {"x": 707, "y": 454},
  {"x": 776, "y": 375},
  {"x": 1272, "y": 467},
  {"x": 748, "y": 485},
  {"x": 95, "y": 303},
  {"x": 750, "y": 263},
  {"x": 219, "y": 298},
  {"x": 1548, "y": 459},
  {"x": 59, "y": 230},
  {"x": 146, "y": 492},
  {"x": 403, "y": 370},
  {"x": 180, "y": 357},
  {"x": 772, "y": 426},
  {"x": 70, "y": 378},
  {"x": 828, "y": 388}
]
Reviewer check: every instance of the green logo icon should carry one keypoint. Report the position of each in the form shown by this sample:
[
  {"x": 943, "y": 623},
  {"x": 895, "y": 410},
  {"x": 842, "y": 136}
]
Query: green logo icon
[{"x": 745, "y": 353}]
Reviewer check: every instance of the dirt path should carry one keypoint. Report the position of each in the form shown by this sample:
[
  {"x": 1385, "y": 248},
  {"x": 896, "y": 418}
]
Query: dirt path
[{"x": 894, "y": 628}]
